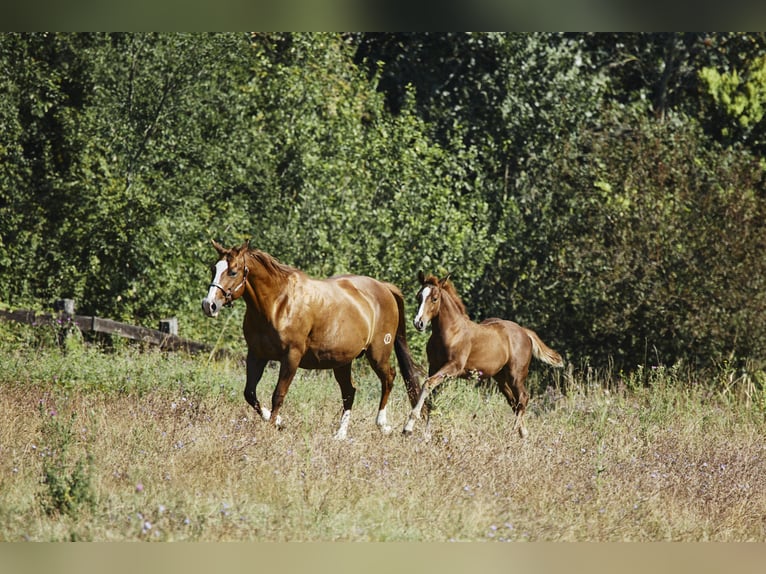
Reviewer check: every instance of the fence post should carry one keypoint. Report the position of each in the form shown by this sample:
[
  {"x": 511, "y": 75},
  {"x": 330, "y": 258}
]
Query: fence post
[
  {"x": 169, "y": 326},
  {"x": 65, "y": 306}
]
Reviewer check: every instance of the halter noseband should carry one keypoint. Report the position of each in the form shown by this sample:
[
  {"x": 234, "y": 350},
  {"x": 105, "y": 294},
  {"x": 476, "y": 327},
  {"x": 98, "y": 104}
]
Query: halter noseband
[{"x": 227, "y": 295}]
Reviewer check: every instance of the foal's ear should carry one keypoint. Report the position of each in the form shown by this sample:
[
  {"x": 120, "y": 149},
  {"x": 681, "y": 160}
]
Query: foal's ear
[
  {"x": 218, "y": 247},
  {"x": 446, "y": 278},
  {"x": 421, "y": 276}
]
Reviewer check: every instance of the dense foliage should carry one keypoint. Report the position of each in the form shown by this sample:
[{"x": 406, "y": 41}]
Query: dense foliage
[{"x": 605, "y": 189}]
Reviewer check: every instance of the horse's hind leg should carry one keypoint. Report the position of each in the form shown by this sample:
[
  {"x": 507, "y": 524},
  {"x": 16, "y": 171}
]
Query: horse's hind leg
[
  {"x": 348, "y": 391},
  {"x": 386, "y": 374},
  {"x": 516, "y": 394}
]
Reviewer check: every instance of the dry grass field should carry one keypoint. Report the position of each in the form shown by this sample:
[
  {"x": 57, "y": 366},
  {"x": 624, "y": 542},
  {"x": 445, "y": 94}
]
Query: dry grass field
[{"x": 127, "y": 445}]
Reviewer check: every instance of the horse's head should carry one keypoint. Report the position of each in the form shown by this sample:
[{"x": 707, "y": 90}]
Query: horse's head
[
  {"x": 429, "y": 300},
  {"x": 229, "y": 278}
]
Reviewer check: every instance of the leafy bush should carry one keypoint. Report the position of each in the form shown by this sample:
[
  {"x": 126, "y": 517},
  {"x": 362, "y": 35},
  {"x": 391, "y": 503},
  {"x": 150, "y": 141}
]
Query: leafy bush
[
  {"x": 652, "y": 246},
  {"x": 602, "y": 189}
]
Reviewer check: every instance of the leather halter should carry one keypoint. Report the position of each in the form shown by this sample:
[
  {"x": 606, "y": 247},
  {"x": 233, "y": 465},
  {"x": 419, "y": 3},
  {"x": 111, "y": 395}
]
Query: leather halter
[{"x": 229, "y": 294}]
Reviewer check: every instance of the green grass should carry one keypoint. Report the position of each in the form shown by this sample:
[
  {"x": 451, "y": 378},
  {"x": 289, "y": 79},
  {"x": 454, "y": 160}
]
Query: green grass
[{"x": 149, "y": 446}]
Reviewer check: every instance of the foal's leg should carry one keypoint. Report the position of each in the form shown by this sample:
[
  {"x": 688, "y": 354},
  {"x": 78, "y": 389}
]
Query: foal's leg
[
  {"x": 430, "y": 383},
  {"x": 348, "y": 391},
  {"x": 513, "y": 388},
  {"x": 255, "y": 367}
]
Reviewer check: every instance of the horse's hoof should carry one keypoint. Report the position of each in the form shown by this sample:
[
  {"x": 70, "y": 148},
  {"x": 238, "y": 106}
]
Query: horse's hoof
[
  {"x": 385, "y": 429},
  {"x": 523, "y": 433}
]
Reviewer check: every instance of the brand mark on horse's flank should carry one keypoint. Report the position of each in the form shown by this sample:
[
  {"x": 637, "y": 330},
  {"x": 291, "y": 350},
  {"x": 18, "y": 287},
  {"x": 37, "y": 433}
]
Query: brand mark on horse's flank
[{"x": 387, "y": 338}]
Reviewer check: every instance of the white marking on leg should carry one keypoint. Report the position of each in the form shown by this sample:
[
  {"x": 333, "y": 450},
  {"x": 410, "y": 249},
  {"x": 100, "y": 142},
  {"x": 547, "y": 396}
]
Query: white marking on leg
[
  {"x": 343, "y": 428},
  {"x": 520, "y": 426},
  {"x": 266, "y": 415},
  {"x": 382, "y": 421},
  {"x": 387, "y": 339},
  {"x": 415, "y": 414}
]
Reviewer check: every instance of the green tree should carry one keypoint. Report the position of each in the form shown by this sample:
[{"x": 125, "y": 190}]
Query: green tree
[
  {"x": 654, "y": 249},
  {"x": 357, "y": 190},
  {"x": 111, "y": 159}
]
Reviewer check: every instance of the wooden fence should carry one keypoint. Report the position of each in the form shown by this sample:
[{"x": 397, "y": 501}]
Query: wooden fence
[{"x": 166, "y": 337}]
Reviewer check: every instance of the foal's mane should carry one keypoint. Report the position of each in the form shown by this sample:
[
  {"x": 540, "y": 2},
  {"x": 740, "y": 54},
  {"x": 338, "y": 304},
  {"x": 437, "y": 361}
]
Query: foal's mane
[{"x": 449, "y": 288}]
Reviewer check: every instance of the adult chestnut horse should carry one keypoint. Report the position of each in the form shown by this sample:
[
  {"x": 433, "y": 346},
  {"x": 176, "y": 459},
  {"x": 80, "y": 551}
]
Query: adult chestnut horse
[
  {"x": 458, "y": 347},
  {"x": 312, "y": 324}
]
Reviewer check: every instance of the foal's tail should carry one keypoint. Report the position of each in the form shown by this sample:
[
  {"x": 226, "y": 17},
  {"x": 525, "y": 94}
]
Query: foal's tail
[
  {"x": 403, "y": 355},
  {"x": 542, "y": 351}
]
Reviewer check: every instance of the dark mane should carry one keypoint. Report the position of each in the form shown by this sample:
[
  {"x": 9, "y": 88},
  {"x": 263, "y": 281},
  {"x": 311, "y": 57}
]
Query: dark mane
[
  {"x": 449, "y": 288},
  {"x": 273, "y": 266}
]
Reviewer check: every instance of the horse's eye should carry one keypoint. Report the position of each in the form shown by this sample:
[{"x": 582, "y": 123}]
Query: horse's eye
[{"x": 232, "y": 272}]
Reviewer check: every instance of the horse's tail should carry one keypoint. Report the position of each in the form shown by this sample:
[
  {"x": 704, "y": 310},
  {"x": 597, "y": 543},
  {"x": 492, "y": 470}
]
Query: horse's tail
[
  {"x": 403, "y": 356},
  {"x": 542, "y": 351}
]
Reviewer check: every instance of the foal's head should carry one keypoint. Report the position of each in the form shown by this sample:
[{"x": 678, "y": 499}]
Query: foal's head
[
  {"x": 429, "y": 299},
  {"x": 229, "y": 277}
]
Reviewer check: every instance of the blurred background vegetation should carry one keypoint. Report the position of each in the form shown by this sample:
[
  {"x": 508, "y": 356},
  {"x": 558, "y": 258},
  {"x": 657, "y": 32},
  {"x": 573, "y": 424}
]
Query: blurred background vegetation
[{"x": 606, "y": 190}]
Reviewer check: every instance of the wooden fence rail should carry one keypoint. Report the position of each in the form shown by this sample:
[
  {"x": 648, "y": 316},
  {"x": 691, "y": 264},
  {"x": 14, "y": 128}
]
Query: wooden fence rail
[{"x": 166, "y": 339}]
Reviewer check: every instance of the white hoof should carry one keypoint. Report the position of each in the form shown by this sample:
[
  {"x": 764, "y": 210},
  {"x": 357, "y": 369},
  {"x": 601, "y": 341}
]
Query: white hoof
[
  {"x": 340, "y": 435},
  {"x": 266, "y": 416}
]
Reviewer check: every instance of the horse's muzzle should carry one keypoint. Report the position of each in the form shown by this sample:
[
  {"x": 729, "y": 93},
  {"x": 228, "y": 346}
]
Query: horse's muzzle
[
  {"x": 419, "y": 324},
  {"x": 210, "y": 307}
]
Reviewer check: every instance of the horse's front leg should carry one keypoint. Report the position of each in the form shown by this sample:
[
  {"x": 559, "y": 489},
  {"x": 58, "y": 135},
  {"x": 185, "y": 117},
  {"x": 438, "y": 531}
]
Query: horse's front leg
[
  {"x": 255, "y": 366},
  {"x": 287, "y": 369},
  {"x": 348, "y": 391},
  {"x": 430, "y": 384}
]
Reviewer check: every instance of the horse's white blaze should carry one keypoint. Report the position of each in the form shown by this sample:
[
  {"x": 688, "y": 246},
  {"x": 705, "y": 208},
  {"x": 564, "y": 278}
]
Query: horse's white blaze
[
  {"x": 424, "y": 297},
  {"x": 343, "y": 428},
  {"x": 220, "y": 268}
]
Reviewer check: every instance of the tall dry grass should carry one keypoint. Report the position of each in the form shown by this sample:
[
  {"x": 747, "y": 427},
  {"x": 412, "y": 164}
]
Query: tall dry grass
[{"x": 169, "y": 450}]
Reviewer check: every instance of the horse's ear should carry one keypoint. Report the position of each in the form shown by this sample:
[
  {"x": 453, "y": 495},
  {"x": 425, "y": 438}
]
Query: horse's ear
[
  {"x": 218, "y": 247},
  {"x": 421, "y": 276},
  {"x": 446, "y": 278}
]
